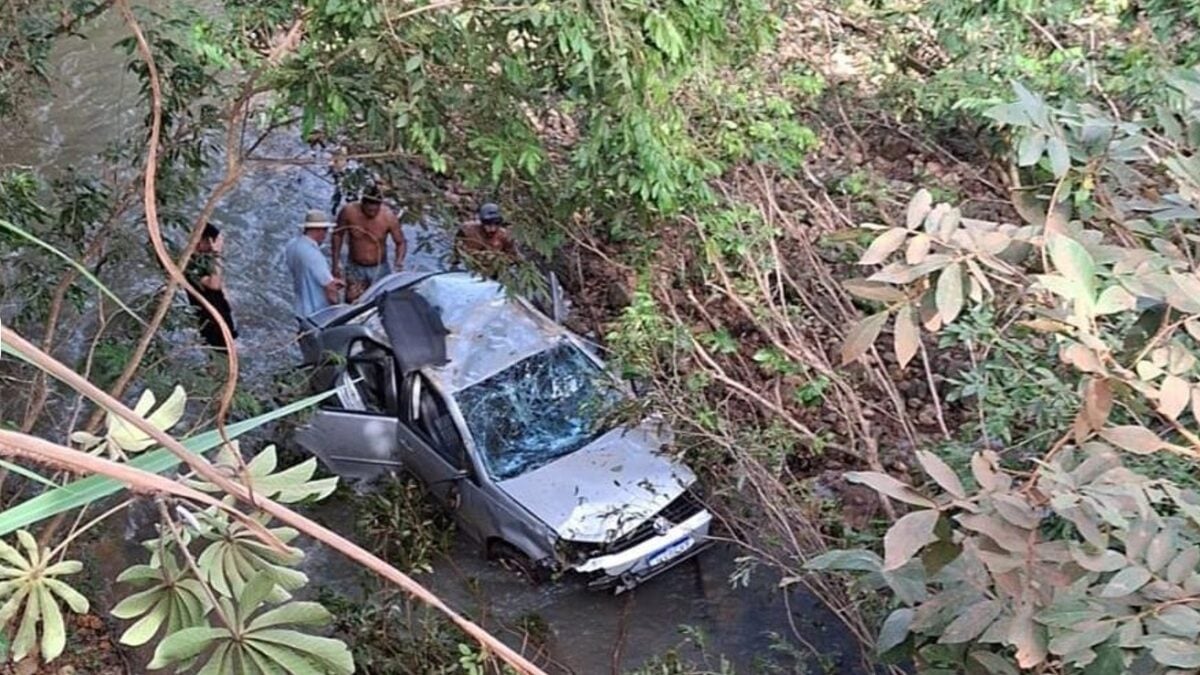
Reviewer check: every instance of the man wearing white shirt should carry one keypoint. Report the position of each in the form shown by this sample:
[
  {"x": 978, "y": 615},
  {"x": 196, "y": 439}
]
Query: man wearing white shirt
[{"x": 313, "y": 283}]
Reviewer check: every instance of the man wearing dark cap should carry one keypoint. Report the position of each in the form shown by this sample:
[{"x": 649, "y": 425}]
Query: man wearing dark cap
[
  {"x": 486, "y": 245},
  {"x": 368, "y": 222},
  {"x": 205, "y": 272}
]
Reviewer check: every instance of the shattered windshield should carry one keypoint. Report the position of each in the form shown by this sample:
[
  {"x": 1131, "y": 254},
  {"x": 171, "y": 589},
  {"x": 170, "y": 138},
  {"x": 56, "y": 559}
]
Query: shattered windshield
[{"x": 537, "y": 410}]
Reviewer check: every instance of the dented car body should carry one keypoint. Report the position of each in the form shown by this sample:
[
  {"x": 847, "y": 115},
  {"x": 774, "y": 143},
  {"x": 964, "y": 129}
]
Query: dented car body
[{"x": 503, "y": 415}]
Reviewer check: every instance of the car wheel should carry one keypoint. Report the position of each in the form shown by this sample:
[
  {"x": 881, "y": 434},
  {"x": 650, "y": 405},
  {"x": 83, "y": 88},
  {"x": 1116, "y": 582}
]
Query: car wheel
[{"x": 514, "y": 560}]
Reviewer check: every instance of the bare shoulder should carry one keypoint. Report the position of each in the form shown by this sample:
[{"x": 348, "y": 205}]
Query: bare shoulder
[
  {"x": 349, "y": 213},
  {"x": 390, "y": 216}
]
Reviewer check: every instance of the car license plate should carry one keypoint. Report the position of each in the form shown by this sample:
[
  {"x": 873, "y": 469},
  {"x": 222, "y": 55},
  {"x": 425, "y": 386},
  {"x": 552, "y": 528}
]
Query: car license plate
[{"x": 671, "y": 552}]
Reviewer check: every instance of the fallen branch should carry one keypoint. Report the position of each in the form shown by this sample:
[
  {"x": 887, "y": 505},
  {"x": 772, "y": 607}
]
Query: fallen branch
[{"x": 243, "y": 493}]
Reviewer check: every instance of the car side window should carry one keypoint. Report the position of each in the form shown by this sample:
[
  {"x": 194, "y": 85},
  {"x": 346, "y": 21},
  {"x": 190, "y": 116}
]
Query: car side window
[
  {"x": 428, "y": 415},
  {"x": 373, "y": 369},
  {"x": 367, "y": 381}
]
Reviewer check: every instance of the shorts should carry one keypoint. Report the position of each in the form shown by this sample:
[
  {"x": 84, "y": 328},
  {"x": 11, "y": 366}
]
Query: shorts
[{"x": 366, "y": 274}]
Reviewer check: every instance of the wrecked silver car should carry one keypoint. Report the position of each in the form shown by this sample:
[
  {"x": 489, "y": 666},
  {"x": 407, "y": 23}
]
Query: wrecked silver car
[{"x": 504, "y": 415}]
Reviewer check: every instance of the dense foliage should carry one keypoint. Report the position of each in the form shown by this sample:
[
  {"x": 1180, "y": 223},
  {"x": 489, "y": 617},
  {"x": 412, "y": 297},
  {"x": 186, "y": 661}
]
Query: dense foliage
[{"x": 704, "y": 167}]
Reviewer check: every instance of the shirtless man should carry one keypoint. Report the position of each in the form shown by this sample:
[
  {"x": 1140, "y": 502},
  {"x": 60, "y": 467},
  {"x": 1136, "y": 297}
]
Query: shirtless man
[
  {"x": 486, "y": 244},
  {"x": 368, "y": 222}
]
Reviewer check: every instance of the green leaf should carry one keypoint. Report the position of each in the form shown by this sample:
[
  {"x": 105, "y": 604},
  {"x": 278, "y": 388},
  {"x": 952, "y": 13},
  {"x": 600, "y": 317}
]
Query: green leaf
[
  {"x": 908, "y": 582},
  {"x": 72, "y": 597},
  {"x": 894, "y": 630},
  {"x": 1126, "y": 581},
  {"x": 1109, "y": 661},
  {"x": 1183, "y": 565},
  {"x": 994, "y": 663},
  {"x": 137, "y": 604},
  {"x": 1115, "y": 299},
  {"x": 307, "y": 613},
  {"x": 1175, "y": 653},
  {"x": 971, "y": 622},
  {"x": 221, "y": 661},
  {"x": 54, "y": 632},
  {"x": 1180, "y": 620},
  {"x": 853, "y": 560},
  {"x": 23, "y": 643},
  {"x": 290, "y": 660},
  {"x": 185, "y": 644},
  {"x": 83, "y": 271},
  {"x": 1031, "y": 148},
  {"x": 1074, "y": 641},
  {"x": 141, "y": 631},
  {"x": 1060, "y": 157},
  {"x": 1073, "y": 261},
  {"x": 87, "y": 490},
  {"x": 256, "y": 591},
  {"x": 330, "y": 653}
]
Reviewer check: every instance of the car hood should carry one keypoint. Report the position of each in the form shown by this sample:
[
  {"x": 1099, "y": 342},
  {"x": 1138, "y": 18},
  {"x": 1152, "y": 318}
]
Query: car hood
[{"x": 605, "y": 489}]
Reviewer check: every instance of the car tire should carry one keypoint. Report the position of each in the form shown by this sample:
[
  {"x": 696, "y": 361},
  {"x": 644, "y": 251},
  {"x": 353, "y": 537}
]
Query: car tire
[{"x": 516, "y": 561}]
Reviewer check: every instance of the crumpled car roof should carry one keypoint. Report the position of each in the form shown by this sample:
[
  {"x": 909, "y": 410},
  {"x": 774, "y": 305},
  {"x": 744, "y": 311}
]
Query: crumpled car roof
[{"x": 488, "y": 329}]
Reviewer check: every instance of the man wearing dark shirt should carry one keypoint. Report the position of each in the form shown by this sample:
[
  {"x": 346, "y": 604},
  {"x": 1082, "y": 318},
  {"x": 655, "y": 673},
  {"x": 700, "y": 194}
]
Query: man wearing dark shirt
[{"x": 206, "y": 274}]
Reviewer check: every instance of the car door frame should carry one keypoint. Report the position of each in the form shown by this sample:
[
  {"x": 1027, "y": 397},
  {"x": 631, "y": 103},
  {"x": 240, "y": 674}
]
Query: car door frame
[{"x": 375, "y": 448}]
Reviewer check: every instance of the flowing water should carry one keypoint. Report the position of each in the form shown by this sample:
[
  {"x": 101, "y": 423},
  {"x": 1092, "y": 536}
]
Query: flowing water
[{"x": 94, "y": 99}]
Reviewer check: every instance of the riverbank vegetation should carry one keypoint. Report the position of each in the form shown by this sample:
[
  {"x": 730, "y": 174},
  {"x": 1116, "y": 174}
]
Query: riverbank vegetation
[{"x": 915, "y": 284}]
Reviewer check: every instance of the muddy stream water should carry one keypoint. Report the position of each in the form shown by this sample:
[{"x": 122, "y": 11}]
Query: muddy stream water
[{"x": 94, "y": 100}]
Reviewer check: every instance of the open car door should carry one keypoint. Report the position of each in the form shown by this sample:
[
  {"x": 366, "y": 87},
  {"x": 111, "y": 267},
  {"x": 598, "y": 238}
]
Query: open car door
[{"x": 354, "y": 433}]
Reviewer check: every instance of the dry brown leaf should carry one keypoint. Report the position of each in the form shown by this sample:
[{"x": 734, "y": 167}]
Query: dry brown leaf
[
  {"x": 1008, "y": 537},
  {"x": 907, "y": 335},
  {"x": 1193, "y": 328},
  {"x": 1097, "y": 401},
  {"x": 873, "y": 290},
  {"x": 883, "y": 246},
  {"x": 987, "y": 473},
  {"x": 862, "y": 336},
  {"x": 918, "y": 248},
  {"x": 1133, "y": 438},
  {"x": 949, "y": 223},
  {"x": 885, "y": 484},
  {"x": 907, "y": 536},
  {"x": 1179, "y": 359},
  {"x": 941, "y": 473},
  {"x": 1173, "y": 396},
  {"x": 918, "y": 208},
  {"x": 1080, "y": 428},
  {"x": 949, "y": 295},
  {"x": 1083, "y": 359},
  {"x": 1026, "y": 637},
  {"x": 980, "y": 277}
]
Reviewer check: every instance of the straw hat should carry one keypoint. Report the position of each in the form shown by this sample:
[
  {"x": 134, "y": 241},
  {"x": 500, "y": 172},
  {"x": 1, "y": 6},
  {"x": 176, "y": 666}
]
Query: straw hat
[{"x": 315, "y": 218}]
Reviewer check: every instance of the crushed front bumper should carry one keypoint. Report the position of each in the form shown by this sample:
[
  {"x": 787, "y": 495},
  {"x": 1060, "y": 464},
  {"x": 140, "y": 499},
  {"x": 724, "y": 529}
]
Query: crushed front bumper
[{"x": 623, "y": 570}]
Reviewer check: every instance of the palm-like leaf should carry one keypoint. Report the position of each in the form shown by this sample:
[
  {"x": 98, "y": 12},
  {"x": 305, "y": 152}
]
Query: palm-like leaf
[
  {"x": 237, "y": 555},
  {"x": 122, "y": 437},
  {"x": 259, "y": 642},
  {"x": 289, "y": 486},
  {"x": 31, "y": 584},
  {"x": 172, "y": 599}
]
